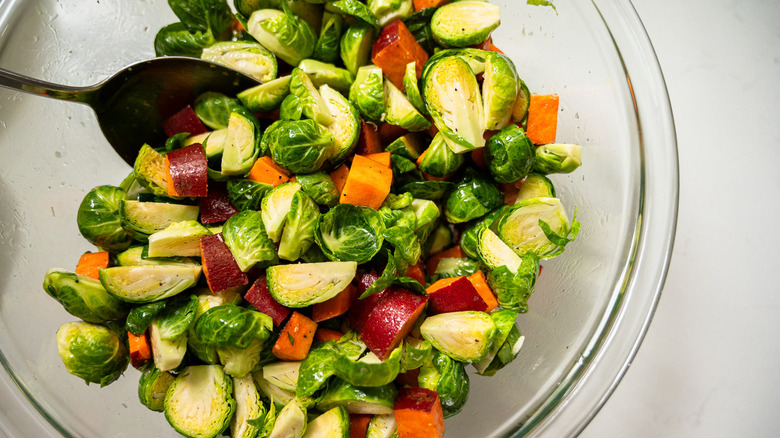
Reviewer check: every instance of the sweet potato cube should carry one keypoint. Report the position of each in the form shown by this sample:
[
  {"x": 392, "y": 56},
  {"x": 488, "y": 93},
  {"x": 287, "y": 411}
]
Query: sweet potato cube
[
  {"x": 368, "y": 183},
  {"x": 395, "y": 48},
  {"x": 542, "y": 118},
  {"x": 418, "y": 413},
  {"x": 266, "y": 171},
  {"x": 295, "y": 339},
  {"x": 216, "y": 206}
]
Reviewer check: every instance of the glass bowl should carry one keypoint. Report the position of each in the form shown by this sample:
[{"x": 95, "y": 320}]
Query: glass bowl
[{"x": 591, "y": 307}]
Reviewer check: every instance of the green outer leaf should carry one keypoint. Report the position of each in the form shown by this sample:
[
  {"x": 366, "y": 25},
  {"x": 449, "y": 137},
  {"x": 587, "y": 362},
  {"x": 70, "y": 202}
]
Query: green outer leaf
[
  {"x": 513, "y": 289},
  {"x": 298, "y": 232},
  {"x": 266, "y": 97},
  {"x": 499, "y": 91},
  {"x": 341, "y": 393},
  {"x": 350, "y": 233},
  {"x": 367, "y": 93},
  {"x": 369, "y": 373},
  {"x": 345, "y": 128},
  {"x": 300, "y": 146},
  {"x": 316, "y": 369},
  {"x": 320, "y": 187},
  {"x": 140, "y": 317},
  {"x": 152, "y": 386},
  {"x": 439, "y": 160},
  {"x": 212, "y": 16},
  {"x": 412, "y": 87},
  {"x": 474, "y": 195},
  {"x": 509, "y": 154},
  {"x": 385, "y": 279},
  {"x": 83, "y": 297},
  {"x": 177, "y": 316},
  {"x": 232, "y": 326},
  {"x": 246, "y": 237},
  {"x": 449, "y": 379},
  {"x": 322, "y": 73},
  {"x": 285, "y": 35},
  {"x": 326, "y": 49},
  {"x": 175, "y": 40},
  {"x": 358, "y": 10},
  {"x": 355, "y": 46},
  {"x": 400, "y": 112},
  {"x": 311, "y": 102},
  {"x": 246, "y": 194}
]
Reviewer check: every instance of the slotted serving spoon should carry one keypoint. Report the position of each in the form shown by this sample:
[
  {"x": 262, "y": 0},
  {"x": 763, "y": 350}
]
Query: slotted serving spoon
[{"x": 132, "y": 104}]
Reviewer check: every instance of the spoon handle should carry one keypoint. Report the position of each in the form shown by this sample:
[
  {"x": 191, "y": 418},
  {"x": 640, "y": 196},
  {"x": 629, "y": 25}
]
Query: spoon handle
[{"x": 29, "y": 85}]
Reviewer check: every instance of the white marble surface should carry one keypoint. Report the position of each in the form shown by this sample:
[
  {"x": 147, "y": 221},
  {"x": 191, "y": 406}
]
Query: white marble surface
[{"x": 709, "y": 364}]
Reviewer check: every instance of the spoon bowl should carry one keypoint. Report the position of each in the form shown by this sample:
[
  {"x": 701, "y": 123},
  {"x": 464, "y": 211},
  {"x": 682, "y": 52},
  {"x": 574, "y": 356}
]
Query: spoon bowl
[{"x": 132, "y": 104}]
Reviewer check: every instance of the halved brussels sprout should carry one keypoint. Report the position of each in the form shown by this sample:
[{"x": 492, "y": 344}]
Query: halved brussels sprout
[
  {"x": 327, "y": 47},
  {"x": 139, "y": 255},
  {"x": 167, "y": 354},
  {"x": 367, "y": 93},
  {"x": 332, "y": 424},
  {"x": 356, "y": 10},
  {"x": 355, "y": 46},
  {"x": 416, "y": 353},
  {"x": 455, "y": 267},
  {"x": 298, "y": 232},
  {"x": 177, "y": 316},
  {"x": 291, "y": 421},
  {"x": 387, "y": 11},
  {"x": 140, "y": 317},
  {"x": 345, "y": 128},
  {"x": 538, "y": 226},
  {"x": 439, "y": 240},
  {"x": 350, "y": 233},
  {"x": 304, "y": 284},
  {"x": 557, "y": 158},
  {"x": 449, "y": 379},
  {"x": 520, "y": 110},
  {"x": 470, "y": 235},
  {"x": 499, "y": 91},
  {"x": 507, "y": 352},
  {"x": 243, "y": 143},
  {"x": 245, "y": 236},
  {"x": 474, "y": 195},
  {"x": 382, "y": 426},
  {"x": 238, "y": 362},
  {"x": 494, "y": 252},
  {"x": 250, "y": 58},
  {"x": 505, "y": 322},
  {"x": 412, "y": 87},
  {"x": 464, "y": 336},
  {"x": 316, "y": 369},
  {"x": 275, "y": 206},
  {"x": 199, "y": 402},
  {"x": 376, "y": 400},
  {"x": 509, "y": 154},
  {"x": 287, "y": 36},
  {"x": 141, "y": 219},
  {"x": 151, "y": 171},
  {"x": 266, "y": 97},
  {"x": 311, "y": 104},
  {"x": 536, "y": 186},
  {"x": 400, "y": 112},
  {"x": 176, "y": 40},
  {"x": 439, "y": 160},
  {"x": 279, "y": 396},
  {"x": 245, "y": 326},
  {"x": 83, "y": 297},
  {"x": 213, "y": 109},
  {"x": 99, "y": 219},
  {"x": 452, "y": 98},
  {"x": 152, "y": 387},
  {"x": 143, "y": 284},
  {"x": 299, "y": 146},
  {"x": 513, "y": 288},
  {"x": 177, "y": 239},
  {"x": 249, "y": 409},
  {"x": 407, "y": 145},
  {"x": 283, "y": 374},
  {"x": 246, "y": 194},
  {"x": 320, "y": 187},
  {"x": 464, "y": 23},
  {"x": 91, "y": 352},
  {"x": 207, "y": 300},
  {"x": 214, "y": 142},
  {"x": 322, "y": 73},
  {"x": 475, "y": 58}
]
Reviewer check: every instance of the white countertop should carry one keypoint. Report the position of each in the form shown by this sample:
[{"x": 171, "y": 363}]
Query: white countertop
[{"x": 708, "y": 365}]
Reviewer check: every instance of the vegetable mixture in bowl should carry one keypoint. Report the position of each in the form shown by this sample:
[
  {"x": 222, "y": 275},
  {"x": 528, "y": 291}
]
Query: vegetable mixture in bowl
[{"x": 348, "y": 248}]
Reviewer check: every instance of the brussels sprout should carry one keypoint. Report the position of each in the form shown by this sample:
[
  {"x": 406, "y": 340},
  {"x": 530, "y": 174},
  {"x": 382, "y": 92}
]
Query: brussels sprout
[
  {"x": 322, "y": 73},
  {"x": 91, "y": 352},
  {"x": 243, "y": 143},
  {"x": 356, "y": 45},
  {"x": 493, "y": 251},
  {"x": 350, "y": 233},
  {"x": 470, "y": 235},
  {"x": 416, "y": 353},
  {"x": 140, "y": 317},
  {"x": 439, "y": 240},
  {"x": 304, "y": 284},
  {"x": 320, "y": 187},
  {"x": 557, "y": 158},
  {"x": 412, "y": 88},
  {"x": 474, "y": 195},
  {"x": 398, "y": 202},
  {"x": 310, "y": 103},
  {"x": 287, "y": 36},
  {"x": 207, "y": 300},
  {"x": 520, "y": 109},
  {"x": 464, "y": 336},
  {"x": 334, "y": 423},
  {"x": 291, "y": 421},
  {"x": 439, "y": 160},
  {"x": 345, "y": 128},
  {"x": 536, "y": 186},
  {"x": 298, "y": 232},
  {"x": 151, "y": 171},
  {"x": 83, "y": 297},
  {"x": 382, "y": 426},
  {"x": 509, "y": 155},
  {"x": 452, "y": 98},
  {"x": 475, "y": 58},
  {"x": 367, "y": 92},
  {"x": 356, "y": 10},
  {"x": 400, "y": 232},
  {"x": 387, "y": 11},
  {"x": 199, "y": 402},
  {"x": 538, "y": 226},
  {"x": 283, "y": 374},
  {"x": 213, "y": 109},
  {"x": 266, "y": 97},
  {"x": 376, "y": 400},
  {"x": 245, "y": 236},
  {"x": 132, "y": 187},
  {"x": 246, "y": 194},
  {"x": 327, "y": 47},
  {"x": 229, "y": 325},
  {"x": 432, "y": 190},
  {"x": 238, "y": 362},
  {"x": 401, "y": 165},
  {"x": 152, "y": 387},
  {"x": 505, "y": 322},
  {"x": 513, "y": 288},
  {"x": 177, "y": 316},
  {"x": 407, "y": 145},
  {"x": 455, "y": 267},
  {"x": 400, "y": 112},
  {"x": 464, "y": 23},
  {"x": 214, "y": 142},
  {"x": 212, "y": 16},
  {"x": 167, "y": 354},
  {"x": 449, "y": 379},
  {"x": 507, "y": 352},
  {"x": 176, "y": 40},
  {"x": 299, "y": 146},
  {"x": 499, "y": 91},
  {"x": 250, "y": 58},
  {"x": 279, "y": 396},
  {"x": 419, "y": 25},
  {"x": 139, "y": 255},
  {"x": 141, "y": 219},
  {"x": 99, "y": 221},
  {"x": 177, "y": 239},
  {"x": 316, "y": 369},
  {"x": 249, "y": 409},
  {"x": 275, "y": 206},
  {"x": 369, "y": 370},
  {"x": 143, "y": 284}
]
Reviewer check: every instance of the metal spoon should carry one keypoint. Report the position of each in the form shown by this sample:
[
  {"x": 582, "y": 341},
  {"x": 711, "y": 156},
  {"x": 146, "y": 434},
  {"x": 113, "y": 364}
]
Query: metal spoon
[{"x": 132, "y": 104}]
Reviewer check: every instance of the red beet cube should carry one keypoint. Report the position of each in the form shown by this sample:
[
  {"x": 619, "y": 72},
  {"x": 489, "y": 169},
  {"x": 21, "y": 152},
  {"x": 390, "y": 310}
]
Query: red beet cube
[
  {"x": 184, "y": 121},
  {"x": 392, "y": 319},
  {"x": 216, "y": 206},
  {"x": 458, "y": 296},
  {"x": 219, "y": 265},
  {"x": 188, "y": 168},
  {"x": 259, "y": 296}
]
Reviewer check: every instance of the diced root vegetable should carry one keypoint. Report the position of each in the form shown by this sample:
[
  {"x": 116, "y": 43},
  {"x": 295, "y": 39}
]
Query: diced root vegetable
[
  {"x": 335, "y": 306},
  {"x": 456, "y": 296},
  {"x": 184, "y": 121},
  {"x": 216, "y": 206},
  {"x": 368, "y": 183},
  {"x": 542, "y": 118},
  {"x": 295, "y": 339},
  {"x": 91, "y": 263},
  {"x": 260, "y": 297},
  {"x": 479, "y": 282},
  {"x": 187, "y": 171},
  {"x": 395, "y": 48},
  {"x": 219, "y": 265},
  {"x": 266, "y": 171},
  {"x": 418, "y": 413},
  {"x": 369, "y": 140},
  {"x": 392, "y": 319}
]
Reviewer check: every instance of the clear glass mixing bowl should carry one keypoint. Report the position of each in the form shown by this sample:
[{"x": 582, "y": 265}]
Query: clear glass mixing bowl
[{"x": 591, "y": 307}]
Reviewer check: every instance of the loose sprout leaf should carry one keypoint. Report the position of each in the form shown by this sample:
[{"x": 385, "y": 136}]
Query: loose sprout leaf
[{"x": 542, "y": 3}]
